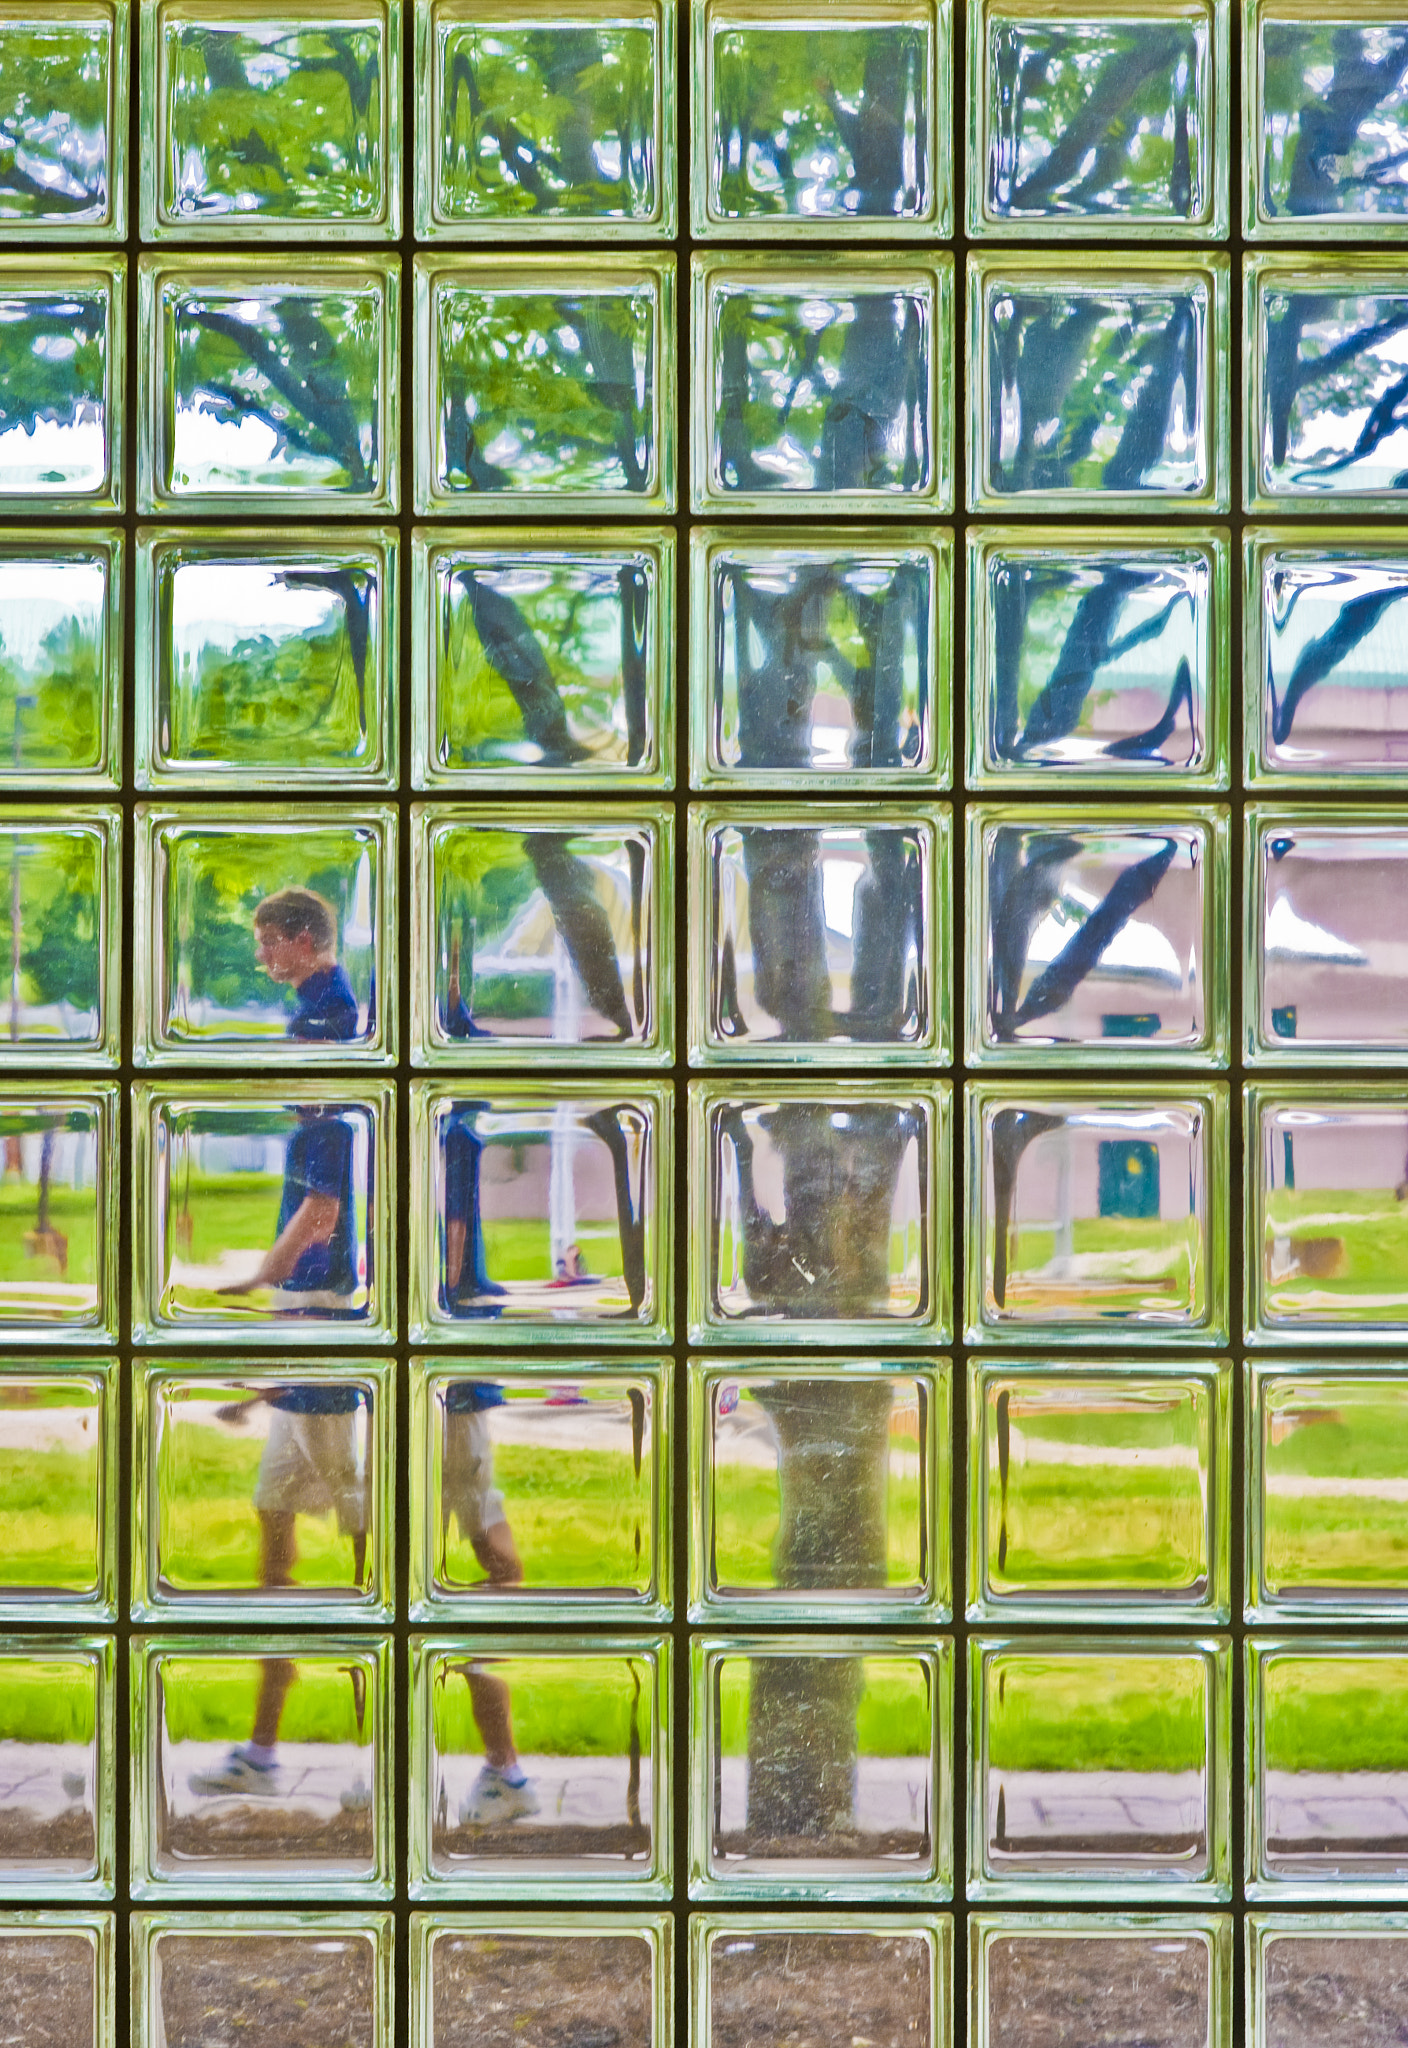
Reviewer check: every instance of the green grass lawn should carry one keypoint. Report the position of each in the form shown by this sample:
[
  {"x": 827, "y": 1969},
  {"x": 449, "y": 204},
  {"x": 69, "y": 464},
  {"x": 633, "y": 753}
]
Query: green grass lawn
[
  {"x": 47, "y": 1699},
  {"x": 1372, "y": 1230},
  {"x": 71, "y": 1212},
  {"x": 49, "y": 1518},
  {"x": 747, "y": 1507}
]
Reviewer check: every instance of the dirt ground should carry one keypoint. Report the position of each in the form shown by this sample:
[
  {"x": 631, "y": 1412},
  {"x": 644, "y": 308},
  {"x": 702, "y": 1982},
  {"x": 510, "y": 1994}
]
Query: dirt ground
[
  {"x": 66, "y": 1839},
  {"x": 1098, "y": 1994},
  {"x": 232, "y": 1832},
  {"x": 267, "y": 1991},
  {"x": 1337, "y": 1993},
  {"x": 527, "y": 1991},
  {"x": 47, "y": 1990},
  {"x": 522, "y": 1840},
  {"x": 899, "y": 1845},
  {"x": 819, "y": 1991}
]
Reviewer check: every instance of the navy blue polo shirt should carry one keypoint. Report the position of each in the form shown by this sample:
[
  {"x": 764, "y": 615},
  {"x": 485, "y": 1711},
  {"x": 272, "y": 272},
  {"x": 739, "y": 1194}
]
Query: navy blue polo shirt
[{"x": 319, "y": 1162}]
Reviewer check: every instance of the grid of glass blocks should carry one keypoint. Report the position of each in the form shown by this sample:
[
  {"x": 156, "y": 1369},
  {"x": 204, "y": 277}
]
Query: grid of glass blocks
[{"x": 703, "y": 1152}]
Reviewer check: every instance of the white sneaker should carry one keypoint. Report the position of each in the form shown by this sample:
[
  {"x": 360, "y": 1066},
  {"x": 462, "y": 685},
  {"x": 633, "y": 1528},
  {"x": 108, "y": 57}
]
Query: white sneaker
[
  {"x": 238, "y": 1775},
  {"x": 492, "y": 1800}
]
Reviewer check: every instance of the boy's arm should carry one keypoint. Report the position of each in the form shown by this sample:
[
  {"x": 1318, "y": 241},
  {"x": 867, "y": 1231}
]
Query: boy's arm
[{"x": 312, "y": 1223}]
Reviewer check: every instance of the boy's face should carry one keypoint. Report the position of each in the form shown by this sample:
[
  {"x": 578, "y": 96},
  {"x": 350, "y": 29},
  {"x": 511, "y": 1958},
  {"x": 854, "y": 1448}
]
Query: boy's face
[{"x": 281, "y": 957}]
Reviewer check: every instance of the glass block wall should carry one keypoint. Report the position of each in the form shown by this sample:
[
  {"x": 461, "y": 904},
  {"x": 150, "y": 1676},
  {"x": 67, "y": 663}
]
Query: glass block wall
[{"x": 704, "y": 1203}]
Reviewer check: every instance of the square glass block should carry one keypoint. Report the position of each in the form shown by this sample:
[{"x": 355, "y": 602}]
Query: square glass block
[
  {"x": 271, "y": 120},
  {"x": 820, "y": 662},
  {"x": 1098, "y": 661},
  {"x": 499, "y": 1530},
  {"x": 1324, "y": 889},
  {"x": 58, "y": 1215},
  {"x": 543, "y": 660},
  {"x": 545, "y": 384},
  {"x": 272, "y": 1978},
  {"x": 261, "y": 1212},
  {"x": 60, "y": 671},
  {"x": 543, "y": 1211},
  {"x": 819, "y": 935},
  {"x": 542, "y": 1977},
  {"x": 1106, "y": 123},
  {"x": 1099, "y": 1493},
  {"x": 820, "y": 1214},
  {"x": 542, "y": 934},
  {"x": 266, "y": 661},
  {"x": 1327, "y": 1215},
  {"x": 584, "y": 1723},
  {"x": 1103, "y": 1980},
  {"x": 58, "y": 1492},
  {"x": 1322, "y": 366},
  {"x": 820, "y": 1492},
  {"x": 813, "y": 1978},
  {"x": 61, "y": 409},
  {"x": 821, "y": 1768},
  {"x": 58, "y": 1977},
  {"x": 56, "y": 1766},
  {"x": 1096, "y": 929},
  {"x": 1325, "y": 108},
  {"x": 63, "y": 85},
  {"x": 1328, "y": 1450},
  {"x": 266, "y": 936},
  {"x": 1328, "y": 1813},
  {"x": 533, "y": 124},
  {"x": 1097, "y": 1215},
  {"x": 1102, "y": 391},
  {"x": 261, "y": 1765},
  {"x": 60, "y": 933},
  {"x": 809, "y": 123},
  {"x": 269, "y": 386},
  {"x": 263, "y": 1498},
  {"x": 822, "y": 385},
  {"x": 1100, "y": 1767},
  {"x": 1316, "y": 1977}
]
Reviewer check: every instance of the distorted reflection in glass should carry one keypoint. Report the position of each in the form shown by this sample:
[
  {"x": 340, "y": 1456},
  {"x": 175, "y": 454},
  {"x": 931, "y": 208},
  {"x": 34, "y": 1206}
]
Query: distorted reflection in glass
[
  {"x": 823, "y": 662},
  {"x": 59, "y": 639},
  {"x": 262, "y": 1763},
  {"x": 543, "y": 1980},
  {"x": 1313, "y": 1982},
  {"x": 56, "y": 1804},
  {"x": 55, "y": 931},
  {"x": 273, "y": 1978},
  {"x": 1332, "y": 105},
  {"x": 1330, "y": 417},
  {"x": 56, "y": 1491},
  {"x": 1332, "y": 695},
  {"x": 1094, "y": 660},
  {"x": 1091, "y": 933},
  {"x": 803, "y": 1982},
  {"x": 1325, "y": 974},
  {"x": 1330, "y": 1771},
  {"x": 1167, "y": 1983},
  {"x": 1329, "y": 1248},
  {"x": 61, "y": 124},
  {"x": 1328, "y": 1536},
  {"x": 55, "y": 1258},
  {"x": 62, "y": 338},
  {"x": 543, "y": 663},
  {"x": 59, "y": 1968}
]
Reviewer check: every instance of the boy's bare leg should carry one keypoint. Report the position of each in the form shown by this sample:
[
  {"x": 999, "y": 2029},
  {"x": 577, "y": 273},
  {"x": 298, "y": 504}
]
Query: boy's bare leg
[
  {"x": 359, "y": 1556},
  {"x": 276, "y": 1676},
  {"x": 498, "y": 1554},
  {"x": 492, "y": 1707},
  {"x": 277, "y": 1549}
]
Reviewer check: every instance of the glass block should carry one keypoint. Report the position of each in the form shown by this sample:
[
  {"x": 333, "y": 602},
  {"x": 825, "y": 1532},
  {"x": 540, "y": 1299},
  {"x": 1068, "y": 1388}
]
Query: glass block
[
  {"x": 543, "y": 1492},
  {"x": 60, "y": 934},
  {"x": 266, "y": 661},
  {"x": 824, "y": 385},
  {"x": 542, "y": 934},
  {"x": 820, "y": 1492},
  {"x": 1097, "y": 1216},
  {"x": 546, "y": 384},
  {"x": 270, "y": 121},
  {"x": 58, "y": 1215},
  {"x": 821, "y": 1768},
  {"x": 276, "y": 1980},
  {"x": 540, "y": 1767},
  {"x": 1327, "y": 1229},
  {"x": 269, "y": 386},
  {"x": 1326, "y": 1452},
  {"x": 261, "y": 1763},
  {"x": 1089, "y": 929},
  {"x": 1325, "y": 113},
  {"x": 63, "y": 84},
  {"x": 544, "y": 660},
  {"x": 58, "y": 1493},
  {"x": 267, "y": 935},
  {"x": 529, "y": 124},
  {"x": 1097, "y": 662},
  {"x": 542, "y": 1977},
  {"x": 263, "y": 1498},
  {"x": 819, "y": 1213},
  {"x": 1099, "y": 1494},
  {"x": 60, "y": 675},
  {"x": 61, "y": 411},
  {"x": 1103, "y": 1979},
  {"x": 1104, "y": 393},
  {"x": 258, "y": 1214},
  {"x": 1316, "y": 1977},
  {"x": 822, "y": 124},
  {"x": 57, "y": 1969},
  {"x": 56, "y": 1766},
  {"x": 1100, "y": 1768},
  {"x": 809, "y": 1977},
  {"x": 1099, "y": 125},
  {"x": 1328, "y": 1813},
  {"x": 820, "y": 663},
  {"x": 1322, "y": 383},
  {"x": 543, "y": 1211}
]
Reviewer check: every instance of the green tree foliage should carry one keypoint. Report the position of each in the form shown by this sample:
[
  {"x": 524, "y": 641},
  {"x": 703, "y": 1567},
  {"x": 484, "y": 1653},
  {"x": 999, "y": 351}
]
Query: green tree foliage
[
  {"x": 55, "y": 345},
  {"x": 1336, "y": 118},
  {"x": 51, "y": 707},
  {"x": 59, "y": 873},
  {"x": 54, "y": 88}
]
